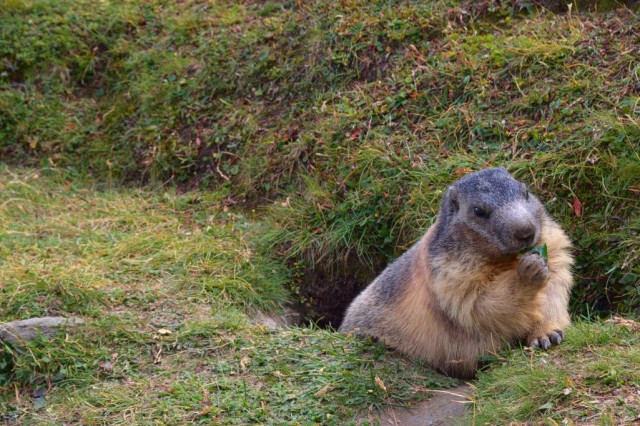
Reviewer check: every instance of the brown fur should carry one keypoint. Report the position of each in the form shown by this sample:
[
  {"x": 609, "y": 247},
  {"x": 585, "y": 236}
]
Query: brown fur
[{"x": 470, "y": 307}]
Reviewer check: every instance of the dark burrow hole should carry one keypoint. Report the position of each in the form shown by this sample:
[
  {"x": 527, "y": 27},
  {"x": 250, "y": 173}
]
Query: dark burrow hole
[
  {"x": 326, "y": 304},
  {"x": 325, "y": 295}
]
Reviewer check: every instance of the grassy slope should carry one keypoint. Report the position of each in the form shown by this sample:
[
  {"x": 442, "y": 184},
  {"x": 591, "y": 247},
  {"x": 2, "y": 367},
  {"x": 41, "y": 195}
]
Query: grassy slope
[
  {"x": 134, "y": 263},
  {"x": 353, "y": 114},
  {"x": 166, "y": 283}
]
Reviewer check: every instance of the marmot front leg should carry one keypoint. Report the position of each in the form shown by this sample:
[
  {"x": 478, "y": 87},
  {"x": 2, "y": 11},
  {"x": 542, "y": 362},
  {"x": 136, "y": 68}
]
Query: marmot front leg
[
  {"x": 534, "y": 269},
  {"x": 555, "y": 316}
]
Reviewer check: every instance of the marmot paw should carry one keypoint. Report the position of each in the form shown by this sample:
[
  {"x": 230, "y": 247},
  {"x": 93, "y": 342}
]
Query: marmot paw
[
  {"x": 545, "y": 340},
  {"x": 533, "y": 269}
]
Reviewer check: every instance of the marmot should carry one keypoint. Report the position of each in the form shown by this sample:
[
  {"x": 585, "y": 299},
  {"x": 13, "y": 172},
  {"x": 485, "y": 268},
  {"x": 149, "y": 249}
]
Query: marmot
[{"x": 464, "y": 290}]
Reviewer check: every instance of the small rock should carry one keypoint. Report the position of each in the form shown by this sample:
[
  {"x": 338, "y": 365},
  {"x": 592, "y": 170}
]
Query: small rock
[
  {"x": 19, "y": 332},
  {"x": 273, "y": 320}
]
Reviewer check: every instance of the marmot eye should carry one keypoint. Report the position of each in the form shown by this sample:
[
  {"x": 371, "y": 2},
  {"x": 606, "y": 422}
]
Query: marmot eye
[{"x": 480, "y": 212}]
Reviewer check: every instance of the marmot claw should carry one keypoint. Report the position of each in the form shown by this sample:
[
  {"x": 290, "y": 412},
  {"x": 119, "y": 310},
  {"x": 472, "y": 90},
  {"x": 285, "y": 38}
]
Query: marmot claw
[
  {"x": 546, "y": 340},
  {"x": 533, "y": 269}
]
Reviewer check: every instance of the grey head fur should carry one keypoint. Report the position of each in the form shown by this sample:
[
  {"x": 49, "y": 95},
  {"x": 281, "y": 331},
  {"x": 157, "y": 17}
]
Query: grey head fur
[{"x": 488, "y": 211}]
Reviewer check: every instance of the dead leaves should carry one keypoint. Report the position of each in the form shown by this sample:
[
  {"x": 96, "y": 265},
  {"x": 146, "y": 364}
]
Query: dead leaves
[
  {"x": 380, "y": 384},
  {"x": 623, "y": 322},
  {"x": 577, "y": 207}
]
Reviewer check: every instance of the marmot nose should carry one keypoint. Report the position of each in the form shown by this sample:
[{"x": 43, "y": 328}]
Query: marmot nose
[{"x": 526, "y": 233}]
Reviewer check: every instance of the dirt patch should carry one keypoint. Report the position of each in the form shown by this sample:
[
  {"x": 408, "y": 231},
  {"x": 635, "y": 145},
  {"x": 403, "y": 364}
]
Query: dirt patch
[{"x": 446, "y": 407}]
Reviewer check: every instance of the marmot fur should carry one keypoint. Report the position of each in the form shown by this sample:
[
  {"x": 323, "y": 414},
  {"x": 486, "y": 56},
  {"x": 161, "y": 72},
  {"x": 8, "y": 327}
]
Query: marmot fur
[{"x": 464, "y": 290}]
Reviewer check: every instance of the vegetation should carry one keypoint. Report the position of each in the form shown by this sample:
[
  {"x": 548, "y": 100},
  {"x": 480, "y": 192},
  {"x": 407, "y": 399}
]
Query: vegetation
[
  {"x": 592, "y": 378},
  {"x": 165, "y": 282},
  {"x": 323, "y": 133},
  {"x": 353, "y": 115}
]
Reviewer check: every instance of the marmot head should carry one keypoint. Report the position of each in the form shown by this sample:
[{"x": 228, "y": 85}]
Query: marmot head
[{"x": 489, "y": 212}]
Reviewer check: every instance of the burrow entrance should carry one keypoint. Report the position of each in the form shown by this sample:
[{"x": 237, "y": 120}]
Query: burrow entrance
[{"x": 326, "y": 295}]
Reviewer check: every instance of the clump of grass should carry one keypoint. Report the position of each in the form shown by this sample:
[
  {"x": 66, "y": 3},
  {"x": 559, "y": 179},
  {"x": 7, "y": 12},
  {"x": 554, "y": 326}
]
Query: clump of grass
[{"x": 591, "y": 377}]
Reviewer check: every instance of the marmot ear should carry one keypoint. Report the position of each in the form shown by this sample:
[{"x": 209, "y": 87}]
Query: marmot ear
[{"x": 452, "y": 199}]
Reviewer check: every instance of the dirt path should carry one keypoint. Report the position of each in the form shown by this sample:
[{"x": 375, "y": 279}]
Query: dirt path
[{"x": 446, "y": 407}]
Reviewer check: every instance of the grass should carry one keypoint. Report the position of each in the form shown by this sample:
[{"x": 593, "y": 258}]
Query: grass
[
  {"x": 326, "y": 130},
  {"x": 76, "y": 247},
  {"x": 592, "y": 378},
  {"x": 168, "y": 284},
  {"x": 346, "y": 120}
]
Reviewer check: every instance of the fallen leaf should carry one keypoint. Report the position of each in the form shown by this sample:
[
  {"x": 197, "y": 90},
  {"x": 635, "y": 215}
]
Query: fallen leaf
[
  {"x": 322, "y": 391},
  {"x": 577, "y": 207},
  {"x": 461, "y": 171},
  {"x": 623, "y": 322},
  {"x": 380, "y": 383},
  {"x": 547, "y": 406},
  {"x": 105, "y": 365},
  {"x": 355, "y": 134}
]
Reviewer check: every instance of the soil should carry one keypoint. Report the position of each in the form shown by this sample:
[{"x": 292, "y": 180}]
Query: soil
[{"x": 447, "y": 407}]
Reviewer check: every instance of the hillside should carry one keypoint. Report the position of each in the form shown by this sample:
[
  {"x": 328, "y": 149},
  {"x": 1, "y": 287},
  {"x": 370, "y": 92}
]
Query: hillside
[
  {"x": 352, "y": 116},
  {"x": 226, "y": 157}
]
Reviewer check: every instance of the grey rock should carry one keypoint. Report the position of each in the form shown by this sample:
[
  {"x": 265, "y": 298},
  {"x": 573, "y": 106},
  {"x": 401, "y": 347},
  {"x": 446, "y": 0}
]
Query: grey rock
[
  {"x": 288, "y": 318},
  {"x": 19, "y": 332}
]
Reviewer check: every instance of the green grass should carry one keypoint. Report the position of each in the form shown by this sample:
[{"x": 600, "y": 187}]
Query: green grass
[
  {"x": 67, "y": 251},
  {"x": 590, "y": 378},
  {"x": 357, "y": 113},
  {"x": 326, "y": 131},
  {"x": 167, "y": 284}
]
